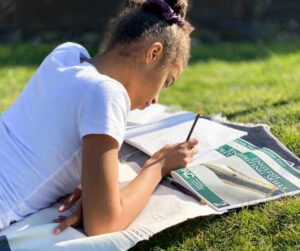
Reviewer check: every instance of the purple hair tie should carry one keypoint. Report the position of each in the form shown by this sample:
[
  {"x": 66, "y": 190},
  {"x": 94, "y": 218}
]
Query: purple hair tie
[{"x": 168, "y": 12}]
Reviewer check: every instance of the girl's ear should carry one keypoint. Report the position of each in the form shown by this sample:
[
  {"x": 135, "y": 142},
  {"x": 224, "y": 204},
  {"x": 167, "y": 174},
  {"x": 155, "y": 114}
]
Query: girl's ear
[{"x": 154, "y": 52}]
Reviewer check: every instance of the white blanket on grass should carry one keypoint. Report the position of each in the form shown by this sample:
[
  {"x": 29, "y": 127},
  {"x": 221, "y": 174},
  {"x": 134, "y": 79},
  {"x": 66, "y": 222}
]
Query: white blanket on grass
[{"x": 35, "y": 232}]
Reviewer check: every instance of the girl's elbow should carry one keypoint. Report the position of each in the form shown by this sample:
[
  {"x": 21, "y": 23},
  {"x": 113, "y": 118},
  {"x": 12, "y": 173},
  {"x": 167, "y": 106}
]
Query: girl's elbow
[
  {"x": 93, "y": 231},
  {"x": 103, "y": 227}
]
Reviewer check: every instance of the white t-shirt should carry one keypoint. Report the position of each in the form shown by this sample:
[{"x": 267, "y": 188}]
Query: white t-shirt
[{"x": 41, "y": 132}]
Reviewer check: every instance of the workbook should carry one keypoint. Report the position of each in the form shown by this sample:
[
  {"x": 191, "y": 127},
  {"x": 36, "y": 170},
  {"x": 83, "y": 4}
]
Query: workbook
[
  {"x": 245, "y": 175},
  {"x": 228, "y": 172}
]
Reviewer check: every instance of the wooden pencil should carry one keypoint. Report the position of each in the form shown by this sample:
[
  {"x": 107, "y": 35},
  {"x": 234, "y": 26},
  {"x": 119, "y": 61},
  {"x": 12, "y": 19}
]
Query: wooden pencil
[{"x": 193, "y": 126}]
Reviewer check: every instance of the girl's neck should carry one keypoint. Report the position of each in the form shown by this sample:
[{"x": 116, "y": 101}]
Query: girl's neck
[
  {"x": 116, "y": 67},
  {"x": 109, "y": 65}
]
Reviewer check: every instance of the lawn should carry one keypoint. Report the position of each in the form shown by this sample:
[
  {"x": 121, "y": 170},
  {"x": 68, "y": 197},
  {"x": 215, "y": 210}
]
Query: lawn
[{"x": 249, "y": 83}]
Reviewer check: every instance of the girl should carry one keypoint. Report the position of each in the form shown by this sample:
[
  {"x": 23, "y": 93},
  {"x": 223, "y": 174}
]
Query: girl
[{"x": 68, "y": 124}]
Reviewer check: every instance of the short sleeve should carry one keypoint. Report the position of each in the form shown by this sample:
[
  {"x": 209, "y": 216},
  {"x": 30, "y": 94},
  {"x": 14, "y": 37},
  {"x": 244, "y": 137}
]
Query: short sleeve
[{"x": 104, "y": 110}]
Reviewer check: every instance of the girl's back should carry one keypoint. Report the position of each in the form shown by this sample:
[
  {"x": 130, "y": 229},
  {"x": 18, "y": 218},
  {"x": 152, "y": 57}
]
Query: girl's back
[{"x": 40, "y": 146}]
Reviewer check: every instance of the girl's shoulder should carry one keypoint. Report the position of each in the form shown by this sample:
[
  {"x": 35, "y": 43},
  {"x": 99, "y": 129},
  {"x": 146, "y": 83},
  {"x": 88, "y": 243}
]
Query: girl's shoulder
[{"x": 67, "y": 46}]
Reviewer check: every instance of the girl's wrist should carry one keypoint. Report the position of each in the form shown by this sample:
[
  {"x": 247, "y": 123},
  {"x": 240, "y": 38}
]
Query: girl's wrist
[{"x": 156, "y": 165}]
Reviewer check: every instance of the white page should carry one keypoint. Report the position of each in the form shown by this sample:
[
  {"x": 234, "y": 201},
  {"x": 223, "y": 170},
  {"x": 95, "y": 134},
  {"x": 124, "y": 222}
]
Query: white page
[
  {"x": 147, "y": 115},
  {"x": 153, "y": 137},
  {"x": 134, "y": 131},
  {"x": 151, "y": 114}
]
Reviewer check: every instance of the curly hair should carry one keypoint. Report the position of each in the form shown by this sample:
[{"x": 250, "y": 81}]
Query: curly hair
[{"x": 143, "y": 21}]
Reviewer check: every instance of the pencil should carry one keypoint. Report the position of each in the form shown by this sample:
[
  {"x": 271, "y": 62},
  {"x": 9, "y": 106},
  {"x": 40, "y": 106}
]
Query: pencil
[{"x": 193, "y": 126}]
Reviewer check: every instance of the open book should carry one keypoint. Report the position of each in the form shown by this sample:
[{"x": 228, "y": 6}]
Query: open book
[
  {"x": 228, "y": 172},
  {"x": 153, "y": 136}
]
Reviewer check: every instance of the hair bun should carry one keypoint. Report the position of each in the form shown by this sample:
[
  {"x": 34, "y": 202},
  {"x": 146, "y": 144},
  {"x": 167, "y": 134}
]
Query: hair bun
[
  {"x": 171, "y": 11},
  {"x": 179, "y": 6}
]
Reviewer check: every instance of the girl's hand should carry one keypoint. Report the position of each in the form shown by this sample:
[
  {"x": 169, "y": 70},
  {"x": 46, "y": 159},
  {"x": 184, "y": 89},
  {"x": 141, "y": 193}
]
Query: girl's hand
[
  {"x": 71, "y": 199},
  {"x": 73, "y": 220},
  {"x": 174, "y": 156}
]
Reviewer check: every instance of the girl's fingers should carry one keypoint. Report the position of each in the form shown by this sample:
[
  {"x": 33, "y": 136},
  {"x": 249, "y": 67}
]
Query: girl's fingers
[
  {"x": 194, "y": 151},
  {"x": 70, "y": 200},
  {"x": 191, "y": 143},
  {"x": 72, "y": 220},
  {"x": 66, "y": 223},
  {"x": 77, "y": 193},
  {"x": 59, "y": 219}
]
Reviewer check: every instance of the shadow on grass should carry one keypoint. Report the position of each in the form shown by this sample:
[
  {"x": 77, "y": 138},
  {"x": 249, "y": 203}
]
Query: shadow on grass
[
  {"x": 195, "y": 229},
  {"x": 33, "y": 54},
  {"x": 177, "y": 234},
  {"x": 244, "y": 112},
  {"x": 190, "y": 229}
]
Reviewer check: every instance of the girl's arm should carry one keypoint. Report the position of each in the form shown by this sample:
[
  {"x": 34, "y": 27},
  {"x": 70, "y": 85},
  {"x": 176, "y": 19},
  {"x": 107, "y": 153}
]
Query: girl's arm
[{"x": 106, "y": 208}]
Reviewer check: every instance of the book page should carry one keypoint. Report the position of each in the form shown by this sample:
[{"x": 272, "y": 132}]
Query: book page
[
  {"x": 209, "y": 134},
  {"x": 151, "y": 114},
  {"x": 135, "y": 131}
]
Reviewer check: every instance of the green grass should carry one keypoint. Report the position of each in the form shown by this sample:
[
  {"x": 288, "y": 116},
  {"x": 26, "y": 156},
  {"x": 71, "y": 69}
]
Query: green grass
[
  {"x": 249, "y": 83},
  {"x": 271, "y": 226}
]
